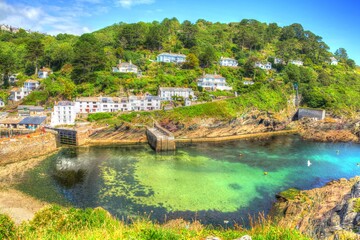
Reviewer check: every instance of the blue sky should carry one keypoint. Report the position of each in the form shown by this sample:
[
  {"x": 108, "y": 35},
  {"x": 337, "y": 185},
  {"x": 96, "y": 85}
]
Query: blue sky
[{"x": 338, "y": 22}]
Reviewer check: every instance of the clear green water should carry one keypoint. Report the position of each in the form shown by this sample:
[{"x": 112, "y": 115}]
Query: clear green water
[{"x": 210, "y": 182}]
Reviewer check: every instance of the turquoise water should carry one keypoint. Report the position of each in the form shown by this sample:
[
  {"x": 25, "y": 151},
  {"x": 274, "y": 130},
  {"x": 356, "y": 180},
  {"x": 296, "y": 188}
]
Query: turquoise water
[{"x": 209, "y": 182}]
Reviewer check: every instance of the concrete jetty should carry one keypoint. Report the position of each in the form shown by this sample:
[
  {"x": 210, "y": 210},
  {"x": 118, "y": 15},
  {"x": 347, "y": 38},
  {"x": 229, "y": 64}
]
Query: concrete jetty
[{"x": 160, "y": 139}]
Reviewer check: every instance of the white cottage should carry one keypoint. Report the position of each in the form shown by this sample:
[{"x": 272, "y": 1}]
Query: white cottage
[
  {"x": 44, "y": 72},
  {"x": 213, "y": 82},
  {"x": 64, "y": 113},
  {"x": 171, "y": 58},
  {"x": 31, "y": 84},
  {"x": 264, "y": 66},
  {"x": 228, "y": 62},
  {"x": 297, "y": 62},
  {"x": 334, "y": 61},
  {"x": 16, "y": 94},
  {"x": 166, "y": 93},
  {"x": 126, "y": 68}
]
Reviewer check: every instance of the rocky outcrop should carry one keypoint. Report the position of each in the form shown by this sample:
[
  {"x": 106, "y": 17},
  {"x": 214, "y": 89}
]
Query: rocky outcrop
[
  {"x": 329, "y": 130},
  {"x": 330, "y": 212}
]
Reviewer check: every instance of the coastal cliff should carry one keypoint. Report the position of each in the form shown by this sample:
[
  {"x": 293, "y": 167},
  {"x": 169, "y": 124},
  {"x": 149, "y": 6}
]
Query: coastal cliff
[{"x": 329, "y": 212}]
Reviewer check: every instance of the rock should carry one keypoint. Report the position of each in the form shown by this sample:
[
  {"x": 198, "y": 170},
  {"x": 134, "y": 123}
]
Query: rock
[
  {"x": 355, "y": 191},
  {"x": 246, "y": 237},
  {"x": 193, "y": 127}
]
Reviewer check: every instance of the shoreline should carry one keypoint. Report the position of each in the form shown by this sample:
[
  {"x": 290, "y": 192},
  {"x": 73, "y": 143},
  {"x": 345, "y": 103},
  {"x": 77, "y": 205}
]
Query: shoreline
[
  {"x": 102, "y": 142},
  {"x": 14, "y": 203}
]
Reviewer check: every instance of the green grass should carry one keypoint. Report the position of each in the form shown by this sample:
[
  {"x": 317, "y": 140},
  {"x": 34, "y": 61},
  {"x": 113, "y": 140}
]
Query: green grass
[
  {"x": 99, "y": 116},
  {"x": 56, "y": 222}
]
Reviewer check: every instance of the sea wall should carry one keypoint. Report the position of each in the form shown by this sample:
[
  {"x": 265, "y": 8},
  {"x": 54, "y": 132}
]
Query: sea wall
[{"x": 26, "y": 147}]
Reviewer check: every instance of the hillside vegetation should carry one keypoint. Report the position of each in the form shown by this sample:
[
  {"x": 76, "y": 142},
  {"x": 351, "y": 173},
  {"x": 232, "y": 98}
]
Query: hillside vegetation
[{"x": 82, "y": 64}]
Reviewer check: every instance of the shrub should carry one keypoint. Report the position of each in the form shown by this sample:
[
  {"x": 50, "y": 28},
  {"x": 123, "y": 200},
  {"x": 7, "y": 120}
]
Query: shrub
[
  {"x": 99, "y": 116},
  {"x": 7, "y": 227}
]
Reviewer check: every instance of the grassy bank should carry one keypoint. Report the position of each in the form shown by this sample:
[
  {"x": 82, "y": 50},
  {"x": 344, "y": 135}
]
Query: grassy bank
[
  {"x": 56, "y": 222},
  {"x": 264, "y": 99}
]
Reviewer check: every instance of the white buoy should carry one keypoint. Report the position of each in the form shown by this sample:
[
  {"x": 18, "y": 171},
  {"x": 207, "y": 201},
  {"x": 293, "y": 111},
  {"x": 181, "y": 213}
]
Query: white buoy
[{"x": 308, "y": 163}]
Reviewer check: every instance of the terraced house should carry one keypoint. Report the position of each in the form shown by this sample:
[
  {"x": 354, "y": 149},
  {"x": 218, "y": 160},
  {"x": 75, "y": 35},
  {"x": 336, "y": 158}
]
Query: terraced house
[{"x": 114, "y": 104}]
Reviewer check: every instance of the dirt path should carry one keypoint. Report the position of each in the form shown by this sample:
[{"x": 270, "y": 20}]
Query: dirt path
[{"x": 19, "y": 206}]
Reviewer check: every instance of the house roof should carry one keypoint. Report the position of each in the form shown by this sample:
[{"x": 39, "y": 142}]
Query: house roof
[
  {"x": 175, "y": 89},
  {"x": 32, "y": 120},
  {"x": 87, "y": 99},
  {"x": 15, "y": 89},
  {"x": 172, "y": 54},
  {"x": 126, "y": 64},
  {"x": 65, "y": 103},
  {"x": 30, "y": 108},
  {"x": 10, "y": 120},
  {"x": 31, "y": 81},
  {"x": 44, "y": 69},
  {"x": 211, "y": 76}
]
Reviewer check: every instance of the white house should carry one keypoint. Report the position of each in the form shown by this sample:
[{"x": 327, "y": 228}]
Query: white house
[
  {"x": 44, "y": 72},
  {"x": 64, "y": 113},
  {"x": 265, "y": 66},
  {"x": 126, "y": 68},
  {"x": 31, "y": 84},
  {"x": 13, "y": 79},
  {"x": 297, "y": 62},
  {"x": 334, "y": 61},
  {"x": 144, "y": 103},
  {"x": 2, "y": 104},
  {"x": 166, "y": 93},
  {"x": 248, "y": 83},
  {"x": 228, "y": 62},
  {"x": 213, "y": 82},
  {"x": 171, "y": 58},
  {"x": 278, "y": 61},
  {"x": 16, "y": 94}
]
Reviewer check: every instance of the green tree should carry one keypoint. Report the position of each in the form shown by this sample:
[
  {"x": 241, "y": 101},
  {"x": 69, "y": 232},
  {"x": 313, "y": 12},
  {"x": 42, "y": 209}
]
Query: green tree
[
  {"x": 88, "y": 58},
  {"x": 7, "y": 63},
  {"x": 35, "y": 50},
  {"x": 191, "y": 61}
]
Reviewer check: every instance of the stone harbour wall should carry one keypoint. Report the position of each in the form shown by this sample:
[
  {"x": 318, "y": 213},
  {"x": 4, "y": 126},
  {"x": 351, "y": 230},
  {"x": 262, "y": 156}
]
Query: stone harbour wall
[{"x": 26, "y": 147}]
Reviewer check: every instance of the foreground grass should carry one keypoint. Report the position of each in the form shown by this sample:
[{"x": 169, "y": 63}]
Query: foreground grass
[{"x": 56, "y": 222}]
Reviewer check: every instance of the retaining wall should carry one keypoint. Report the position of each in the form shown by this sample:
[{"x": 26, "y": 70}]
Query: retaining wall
[{"x": 29, "y": 146}]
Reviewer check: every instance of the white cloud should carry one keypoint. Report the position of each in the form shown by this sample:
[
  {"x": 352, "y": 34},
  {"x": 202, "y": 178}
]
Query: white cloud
[
  {"x": 49, "y": 19},
  {"x": 130, "y": 3}
]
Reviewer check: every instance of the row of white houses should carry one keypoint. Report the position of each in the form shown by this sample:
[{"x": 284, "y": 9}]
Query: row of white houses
[{"x": 65, "y": 111}]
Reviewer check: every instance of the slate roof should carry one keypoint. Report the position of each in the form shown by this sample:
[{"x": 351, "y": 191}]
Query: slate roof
[{"x": 32, "y": 120}]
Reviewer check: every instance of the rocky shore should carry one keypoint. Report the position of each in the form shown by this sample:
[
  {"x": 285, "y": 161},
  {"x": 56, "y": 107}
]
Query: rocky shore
[{"x": 329, "y": 212}]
